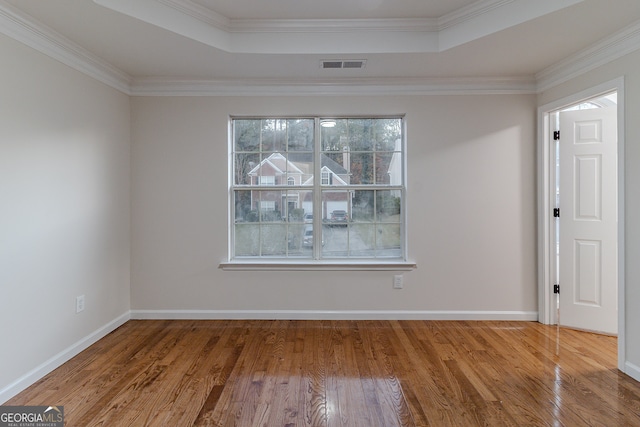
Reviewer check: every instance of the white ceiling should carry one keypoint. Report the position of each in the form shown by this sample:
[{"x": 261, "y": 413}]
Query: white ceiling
[{"x": 244, "y": 42}]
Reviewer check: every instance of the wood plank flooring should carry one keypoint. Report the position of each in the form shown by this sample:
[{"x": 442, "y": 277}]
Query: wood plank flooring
[{"x": 342, "y": 373}]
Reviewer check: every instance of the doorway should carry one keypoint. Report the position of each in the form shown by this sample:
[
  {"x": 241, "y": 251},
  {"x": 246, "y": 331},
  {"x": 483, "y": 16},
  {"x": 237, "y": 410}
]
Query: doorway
[{"x": 569, "y": 252}]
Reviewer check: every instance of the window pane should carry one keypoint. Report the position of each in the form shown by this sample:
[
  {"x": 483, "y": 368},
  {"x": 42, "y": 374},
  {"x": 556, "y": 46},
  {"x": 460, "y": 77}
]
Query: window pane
[
  {"x": 269, "y": 205},
  {"x": 246, "y": 135},
  {"x": 300, "y": 167},
  {"x": 247, "y": 239},
  {"x": 362, "y": 240},
  {"x": 336, "y": 241},
  {"x": 388, "y": 134},
  {"x": 300, "y": 135},
  {"x": 384, "y": 167},
  {"x": 298, "y": 245},
  {"x": 333, "y": 169},
  {"x": 244, "y": 165},
  {"x": 336, "y": 206},
  {"x": 292, "y": 205},
  {"x": 243, "y": 208},
  {"x": 274, "y": 239},
  {"x": 280, "y": 136},
  {"x": 388, "y": 240},
  {"x": 361, "y": 134},
  {"x": 362, "y": 168},
  {"x": 335, "y": 138},
  {"x": 265, "y": 173},
  {"x": 268, "y": 135},
  {"x": 394, "y": 169},
  {"x": 272, "y": 134},
  {"x": 304, "y": 205},
  {"x": 388, "y": 205},
  {"x": 363, "y": 206}
]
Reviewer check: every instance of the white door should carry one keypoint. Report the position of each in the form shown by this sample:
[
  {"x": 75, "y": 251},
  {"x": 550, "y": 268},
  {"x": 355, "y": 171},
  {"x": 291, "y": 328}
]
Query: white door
[{"x": 588, "y": 256}]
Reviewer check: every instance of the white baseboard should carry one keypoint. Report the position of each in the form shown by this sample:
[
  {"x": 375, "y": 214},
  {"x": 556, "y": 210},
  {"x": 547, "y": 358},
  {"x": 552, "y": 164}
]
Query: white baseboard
[
  {"x": 335, "y": 315},
  {"x": 632, "y": 370},
  {"x": 37, "y": 373}
]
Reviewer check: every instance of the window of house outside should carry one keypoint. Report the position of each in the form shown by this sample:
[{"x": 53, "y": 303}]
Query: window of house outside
[
  {"x": 354, "y": 210},
  {"x": 267, "y": 180}
]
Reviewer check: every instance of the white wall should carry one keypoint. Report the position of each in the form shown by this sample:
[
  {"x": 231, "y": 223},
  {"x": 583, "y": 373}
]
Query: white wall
[
  {"x": 629, "y": 67},
  {"x": 64, "y": 211},
  {"x": 471, "y": 211}
]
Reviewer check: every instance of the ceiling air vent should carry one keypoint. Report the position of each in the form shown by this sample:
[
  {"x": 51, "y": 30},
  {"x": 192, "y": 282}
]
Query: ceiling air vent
[{"x": 351, "y": 63}]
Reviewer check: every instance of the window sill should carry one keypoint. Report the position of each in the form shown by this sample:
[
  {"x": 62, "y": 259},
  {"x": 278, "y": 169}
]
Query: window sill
[{"x": 317, "y": 266}]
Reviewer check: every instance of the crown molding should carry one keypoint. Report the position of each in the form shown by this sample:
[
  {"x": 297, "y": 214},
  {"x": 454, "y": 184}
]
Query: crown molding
[
  {"x": 300, "y": 25},
  {"x": 619, "y": 44},
  {"x": 199, "y": 12},
  {"x": 334, "y": 25},
  {"x": 24, "y": 29},
  {"x": 333, "y": 87},
  {"x": 488, "y": 17},
  {"x": 330, "y": 36},
  {"x": 15, "y": 24},
  {"x": 464, "y": 14},
  {"x": 470, "y": 12}
]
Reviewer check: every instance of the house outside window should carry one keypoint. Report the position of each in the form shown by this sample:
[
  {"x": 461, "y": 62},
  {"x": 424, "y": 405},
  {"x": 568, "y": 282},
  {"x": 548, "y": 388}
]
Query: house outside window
[{"x": 357, "y": 205}]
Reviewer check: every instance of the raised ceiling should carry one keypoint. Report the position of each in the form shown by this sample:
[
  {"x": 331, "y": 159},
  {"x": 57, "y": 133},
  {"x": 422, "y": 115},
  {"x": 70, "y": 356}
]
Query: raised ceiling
[
  {"x": 333, "y": 9},
  {"x": 145, "y": 45}
]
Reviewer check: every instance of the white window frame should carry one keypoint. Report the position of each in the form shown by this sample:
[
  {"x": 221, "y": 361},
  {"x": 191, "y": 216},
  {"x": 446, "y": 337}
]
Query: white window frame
[{"x": 401, "y": 263}]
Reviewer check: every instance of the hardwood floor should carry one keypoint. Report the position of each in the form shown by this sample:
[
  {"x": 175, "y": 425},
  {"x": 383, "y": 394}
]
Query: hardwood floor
[{"x": 342, "y": 373}]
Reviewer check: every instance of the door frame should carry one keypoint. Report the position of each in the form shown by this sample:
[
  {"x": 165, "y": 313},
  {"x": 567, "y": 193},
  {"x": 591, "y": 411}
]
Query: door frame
[{"x": 546, "y": 201}]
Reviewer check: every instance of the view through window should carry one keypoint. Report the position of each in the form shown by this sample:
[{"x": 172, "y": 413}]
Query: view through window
[{"x": 353, "y": 210}]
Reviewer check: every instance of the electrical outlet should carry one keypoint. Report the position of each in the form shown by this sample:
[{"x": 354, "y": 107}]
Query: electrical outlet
[
  {"x": 397, "y": 281},
  {"x": 79, "y": 303}
]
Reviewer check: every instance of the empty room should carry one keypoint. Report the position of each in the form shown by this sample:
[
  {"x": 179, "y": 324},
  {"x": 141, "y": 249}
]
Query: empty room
[{"x": 296, "y": 213}]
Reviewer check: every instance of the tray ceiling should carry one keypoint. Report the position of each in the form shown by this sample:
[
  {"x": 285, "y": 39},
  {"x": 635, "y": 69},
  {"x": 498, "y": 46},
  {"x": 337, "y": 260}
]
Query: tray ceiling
[{"x": 258, "y": 43}]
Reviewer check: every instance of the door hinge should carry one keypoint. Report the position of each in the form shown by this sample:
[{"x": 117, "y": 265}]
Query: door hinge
[
  {"x": 556, "y": 289},
  {"x": 556, "y": 212},
  {"x": 556, "y": 135}
]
